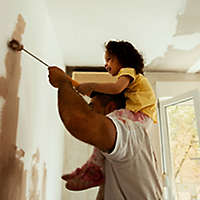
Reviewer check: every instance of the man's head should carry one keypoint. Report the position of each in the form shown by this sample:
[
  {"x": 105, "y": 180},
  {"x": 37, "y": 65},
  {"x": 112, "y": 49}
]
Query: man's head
[{"x": 106, "y": 103}]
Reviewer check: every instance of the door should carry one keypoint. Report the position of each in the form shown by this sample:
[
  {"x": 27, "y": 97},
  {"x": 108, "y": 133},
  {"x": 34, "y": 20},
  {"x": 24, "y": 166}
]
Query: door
[{"x": 179, "y": 120}]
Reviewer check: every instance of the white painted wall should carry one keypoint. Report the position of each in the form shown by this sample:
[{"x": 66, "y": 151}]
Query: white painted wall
[
  {"x": 174, "y": 89},
  {"x": 39, "y": 129}
]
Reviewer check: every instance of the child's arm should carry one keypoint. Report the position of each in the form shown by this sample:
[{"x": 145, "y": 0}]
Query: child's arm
[
  {"x": 107, "y": 88},
  {"x": 74, "y": 83}
]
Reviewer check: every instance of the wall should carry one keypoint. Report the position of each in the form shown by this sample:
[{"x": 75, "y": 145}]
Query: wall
[{"x": 31, "y": 133}]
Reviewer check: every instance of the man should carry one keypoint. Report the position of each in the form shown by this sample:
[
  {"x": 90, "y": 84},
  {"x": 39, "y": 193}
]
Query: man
[{"x": 130, "y": 168}]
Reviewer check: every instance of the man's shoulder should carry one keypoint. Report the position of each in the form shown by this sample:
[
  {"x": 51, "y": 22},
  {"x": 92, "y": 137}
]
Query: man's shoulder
[
  {"x": 117, "y": 113},
  {"x": 121, "y": 113},
  {"x": 123, "y": 117}
]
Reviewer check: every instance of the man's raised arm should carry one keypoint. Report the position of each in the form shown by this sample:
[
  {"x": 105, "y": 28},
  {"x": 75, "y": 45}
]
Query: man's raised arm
[{"x": 83, "y": 123}]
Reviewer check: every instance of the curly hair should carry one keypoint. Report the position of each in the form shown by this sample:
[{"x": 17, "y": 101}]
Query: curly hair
[{"x": 126, "y": 54}]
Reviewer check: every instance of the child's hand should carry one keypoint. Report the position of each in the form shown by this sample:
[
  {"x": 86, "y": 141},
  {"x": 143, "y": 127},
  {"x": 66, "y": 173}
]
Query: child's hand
[{"x": 86, "y": 88}]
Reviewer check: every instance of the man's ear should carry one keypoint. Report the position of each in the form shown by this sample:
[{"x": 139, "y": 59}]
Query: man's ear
[{"x": 110, "y": 107}]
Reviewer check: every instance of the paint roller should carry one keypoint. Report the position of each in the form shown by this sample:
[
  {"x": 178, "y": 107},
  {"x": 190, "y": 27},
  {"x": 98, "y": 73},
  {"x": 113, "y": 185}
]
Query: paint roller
[{"x": 16, "y": 46}]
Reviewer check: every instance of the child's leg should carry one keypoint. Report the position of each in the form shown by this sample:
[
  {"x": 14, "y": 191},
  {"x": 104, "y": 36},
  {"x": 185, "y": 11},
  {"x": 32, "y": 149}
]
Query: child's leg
[
  {"x": 97, "y": 158},
  {"x": 89, "y": 175}
]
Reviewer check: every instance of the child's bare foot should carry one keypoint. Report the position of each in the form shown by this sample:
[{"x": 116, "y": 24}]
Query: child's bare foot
[
  {"x": 84, "y": 178},
  {"x": 66, "y": 177}
]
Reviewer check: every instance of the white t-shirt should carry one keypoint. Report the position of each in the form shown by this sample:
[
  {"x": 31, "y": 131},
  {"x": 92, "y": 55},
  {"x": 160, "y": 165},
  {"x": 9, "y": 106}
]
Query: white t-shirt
[{"x": 130, "y": 169}]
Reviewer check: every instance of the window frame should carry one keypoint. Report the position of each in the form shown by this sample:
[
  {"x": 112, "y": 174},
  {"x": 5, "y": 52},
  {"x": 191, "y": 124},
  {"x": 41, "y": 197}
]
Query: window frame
[{"x": 166, "y": 159}]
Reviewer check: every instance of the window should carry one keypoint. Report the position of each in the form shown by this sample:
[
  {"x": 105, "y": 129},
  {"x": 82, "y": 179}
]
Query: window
[{"x": 179, "y": 120}]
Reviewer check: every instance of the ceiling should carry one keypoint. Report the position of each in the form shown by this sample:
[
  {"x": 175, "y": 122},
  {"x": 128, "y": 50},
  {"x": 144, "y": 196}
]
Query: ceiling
[{"x": 167, "y": 33}]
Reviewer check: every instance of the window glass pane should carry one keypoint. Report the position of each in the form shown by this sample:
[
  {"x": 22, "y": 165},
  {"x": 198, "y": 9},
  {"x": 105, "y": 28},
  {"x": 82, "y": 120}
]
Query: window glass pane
[{"x": 185, "y": 149}]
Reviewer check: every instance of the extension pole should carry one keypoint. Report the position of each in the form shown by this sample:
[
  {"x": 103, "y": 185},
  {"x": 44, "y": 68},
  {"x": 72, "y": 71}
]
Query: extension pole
[{"x": 16, "y": 46}]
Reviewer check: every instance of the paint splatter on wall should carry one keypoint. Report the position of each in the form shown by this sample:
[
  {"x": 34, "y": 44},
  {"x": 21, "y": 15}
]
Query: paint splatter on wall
[
  {"x": 14, "y": 178},
  {"x": 12, "y": 173}
]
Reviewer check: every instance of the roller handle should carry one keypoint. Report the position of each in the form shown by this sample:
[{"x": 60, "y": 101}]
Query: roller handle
[{"x": 16, "y": 46}]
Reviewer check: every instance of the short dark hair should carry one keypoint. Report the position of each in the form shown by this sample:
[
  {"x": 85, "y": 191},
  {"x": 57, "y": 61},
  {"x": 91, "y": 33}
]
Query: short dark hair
[
  {"x": 119, "y": 99},
  {"x": 127, "y": 55}
]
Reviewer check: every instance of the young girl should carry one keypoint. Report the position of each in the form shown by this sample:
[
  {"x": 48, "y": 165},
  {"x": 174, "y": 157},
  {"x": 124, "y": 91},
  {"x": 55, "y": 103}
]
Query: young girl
[{"x": 124, "y": 62}]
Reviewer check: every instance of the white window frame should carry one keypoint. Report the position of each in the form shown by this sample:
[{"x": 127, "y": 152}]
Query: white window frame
[{"x": 165, "y": 146}]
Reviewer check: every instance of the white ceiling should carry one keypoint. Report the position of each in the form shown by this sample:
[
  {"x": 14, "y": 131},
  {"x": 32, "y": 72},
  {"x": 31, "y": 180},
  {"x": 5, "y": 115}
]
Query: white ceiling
[{"x": 167, "y": 32}]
